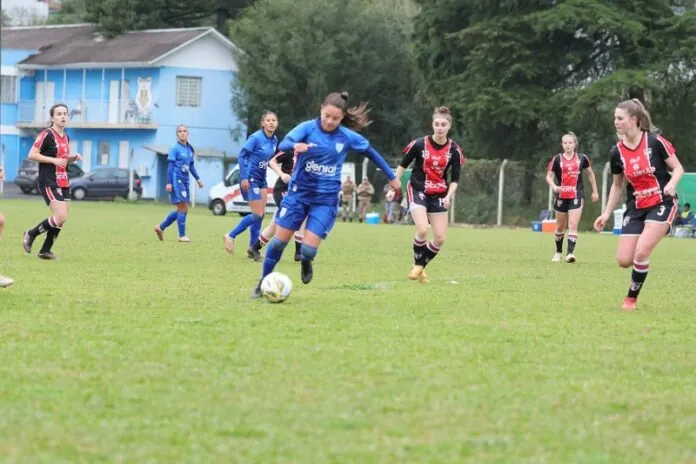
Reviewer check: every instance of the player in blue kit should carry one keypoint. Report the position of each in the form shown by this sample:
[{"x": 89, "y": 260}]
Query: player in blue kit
[
  {"x": 321, "y": 146},
  {"x": 180, "y": 163},
  {"x": 253, "y": 163}
]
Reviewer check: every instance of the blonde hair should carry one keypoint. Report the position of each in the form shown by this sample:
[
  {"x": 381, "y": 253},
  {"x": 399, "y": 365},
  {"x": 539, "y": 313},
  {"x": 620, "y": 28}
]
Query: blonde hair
[
  {"x": 443, "y": 112},
  {"x": 571, "y": 134},
  {"x": 266, "y": 113},
  {"x": 635, "y": 108}
]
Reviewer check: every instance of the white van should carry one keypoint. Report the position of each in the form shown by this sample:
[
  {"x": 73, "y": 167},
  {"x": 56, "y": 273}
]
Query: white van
[{"x": 227, "y": 195}]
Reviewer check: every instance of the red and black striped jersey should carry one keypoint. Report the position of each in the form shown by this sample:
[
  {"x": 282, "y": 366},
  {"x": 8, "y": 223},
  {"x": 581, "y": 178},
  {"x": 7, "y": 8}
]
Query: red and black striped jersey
[
  {"x": 51, "y": 144},
  {"x": 433, "y": 164},
  {"x": 568, "y": 174},
  {"x": 645, "y": 169}
]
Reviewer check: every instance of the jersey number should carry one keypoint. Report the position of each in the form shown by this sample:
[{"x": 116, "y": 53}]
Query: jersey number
[{"x": 661, "y": 211}]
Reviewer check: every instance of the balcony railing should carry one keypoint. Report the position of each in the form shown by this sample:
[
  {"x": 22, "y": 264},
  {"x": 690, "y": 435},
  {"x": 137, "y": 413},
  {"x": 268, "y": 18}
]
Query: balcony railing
[{"x": 88, "y": 114}]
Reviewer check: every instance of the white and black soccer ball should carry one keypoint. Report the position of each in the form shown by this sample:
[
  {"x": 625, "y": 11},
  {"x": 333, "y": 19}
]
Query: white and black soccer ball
[{"x": 276, "y": 287}]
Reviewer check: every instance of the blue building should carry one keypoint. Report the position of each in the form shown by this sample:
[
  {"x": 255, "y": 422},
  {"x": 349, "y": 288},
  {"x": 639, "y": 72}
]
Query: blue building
[{"x": 125, "y": 97}]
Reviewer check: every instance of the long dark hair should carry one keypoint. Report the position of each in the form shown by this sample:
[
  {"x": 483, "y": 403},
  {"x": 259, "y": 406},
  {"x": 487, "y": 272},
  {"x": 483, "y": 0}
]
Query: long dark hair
[
  {"x": 354, "y": 117},
  {"x": 53, "y": 110}
]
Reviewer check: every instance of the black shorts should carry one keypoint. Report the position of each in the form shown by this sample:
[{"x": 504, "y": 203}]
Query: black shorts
[
  {"x": 55, "y": 193},
  {"x": 431, "y": 202},
  {"x": 279, "y": 193},
  {"x": 561, "y": 205},
  {"x": 635, "y": 219}
]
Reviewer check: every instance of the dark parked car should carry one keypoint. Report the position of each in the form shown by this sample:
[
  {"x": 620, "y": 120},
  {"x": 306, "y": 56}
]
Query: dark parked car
[
  {"x": 28, "y": 176},
  {"x": 104, "y": 183}
]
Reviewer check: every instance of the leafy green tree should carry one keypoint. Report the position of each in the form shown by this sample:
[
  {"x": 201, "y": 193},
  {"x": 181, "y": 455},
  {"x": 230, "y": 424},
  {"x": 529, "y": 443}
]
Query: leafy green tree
[
  {"x": 117, "y": 16},
  {"x": 293, "y": 57},
  {"x": 519, "y": 74}
]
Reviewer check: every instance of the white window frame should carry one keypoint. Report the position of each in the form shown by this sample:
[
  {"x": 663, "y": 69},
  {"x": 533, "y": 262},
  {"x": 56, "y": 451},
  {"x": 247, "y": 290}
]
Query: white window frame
[
  {"x": 9, "y": 86},
  {"x": 103, "y": 152},
  {"x": 188, "y": 91}
]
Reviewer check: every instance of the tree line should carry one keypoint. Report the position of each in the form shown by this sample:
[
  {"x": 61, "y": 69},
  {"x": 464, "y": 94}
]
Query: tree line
[{"x": 516, "y": 74}]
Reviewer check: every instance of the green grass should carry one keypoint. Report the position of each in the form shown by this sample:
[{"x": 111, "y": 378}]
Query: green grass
[{"x": 132, "y": 350}]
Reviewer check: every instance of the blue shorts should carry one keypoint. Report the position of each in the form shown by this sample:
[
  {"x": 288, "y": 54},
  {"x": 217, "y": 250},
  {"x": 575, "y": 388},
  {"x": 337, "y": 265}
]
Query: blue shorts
[
  {"x": 293, "y": 210},
  {"x": 254, "y": 191},
  {"x": 180, "y": 192}
]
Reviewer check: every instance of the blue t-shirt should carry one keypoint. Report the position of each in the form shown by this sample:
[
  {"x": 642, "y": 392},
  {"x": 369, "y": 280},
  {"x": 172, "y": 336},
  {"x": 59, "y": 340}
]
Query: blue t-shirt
[
  {"x": 181, "y": 158},
  {"x": 254, "y": 157},
  {"x": 317, "y": 173}
]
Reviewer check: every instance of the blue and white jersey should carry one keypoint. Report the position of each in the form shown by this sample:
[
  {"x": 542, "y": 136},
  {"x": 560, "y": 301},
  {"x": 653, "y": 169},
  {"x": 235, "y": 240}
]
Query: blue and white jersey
[
  {"x": 181, "y": 159},
  {"x": 317, "y": 173},
  {"x": 254, "y": 157}
]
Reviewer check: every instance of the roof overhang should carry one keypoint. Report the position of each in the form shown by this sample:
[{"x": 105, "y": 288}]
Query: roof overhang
[
  {"x": 37, "y": 67},
  {"x": 141, "y": 64},
  {"x": 200, "y": 152}
]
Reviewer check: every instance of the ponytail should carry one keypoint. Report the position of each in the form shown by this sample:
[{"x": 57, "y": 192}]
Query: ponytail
[
  {"x": 355, "y": 117},
  {"x": 635, "y": 108}
]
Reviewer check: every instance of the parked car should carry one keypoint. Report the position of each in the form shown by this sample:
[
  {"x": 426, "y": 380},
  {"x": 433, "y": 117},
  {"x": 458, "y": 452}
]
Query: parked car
[
  {"x": 105, "y": 183},
  {"x": 28, "y": 176}
]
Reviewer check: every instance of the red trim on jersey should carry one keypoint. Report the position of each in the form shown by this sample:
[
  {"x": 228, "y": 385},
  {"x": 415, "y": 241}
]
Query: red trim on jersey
[
  {"x": 640, "y": 172},
  {"x": 435, "y": 161},
  {"x": 39, "y": 139},
  {"x": 673, "y": 213},
  {"x": 462, "y": 160},
  {"x": 409, "y": 192},
  {"x": 409, "y": 146},
  {"x": 50, "y": 195},
  {"x": 669, "y": 148},
  {"x": 570, "y": 172},
  {"x": 63, "y": 151}
]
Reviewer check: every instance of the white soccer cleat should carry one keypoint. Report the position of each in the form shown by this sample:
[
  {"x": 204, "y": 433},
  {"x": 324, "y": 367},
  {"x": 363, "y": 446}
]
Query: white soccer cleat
[
  {"x": 5, "y": 281},
  {"x": 184, "y": 239},
  {"x": 557, "y": 257},
  {"x": 570, "y": 258}
]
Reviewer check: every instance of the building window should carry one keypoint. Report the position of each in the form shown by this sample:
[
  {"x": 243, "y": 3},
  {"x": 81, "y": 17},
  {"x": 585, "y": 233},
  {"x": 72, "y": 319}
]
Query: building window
[
  {"x": 8, "y": 87},
  {"x": 188, "y": 91},
  {"x": 104, "y": 152}
]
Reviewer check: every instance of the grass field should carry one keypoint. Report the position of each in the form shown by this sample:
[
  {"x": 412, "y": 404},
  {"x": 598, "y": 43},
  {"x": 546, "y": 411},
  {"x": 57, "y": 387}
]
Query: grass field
[{"x": 132, "y": 350}]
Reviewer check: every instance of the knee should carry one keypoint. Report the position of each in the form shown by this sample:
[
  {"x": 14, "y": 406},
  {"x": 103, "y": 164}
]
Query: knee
[
  {"x": 277, "y": 244},
  {"x": 439, "y": 239},
  {"x": 308, "y": 252},
  {"x": 624, "y": 261},
  {"x": 61, "y": 219},
  {"x": 642, "y": 254},
  {"x": 421, "y": 231}
]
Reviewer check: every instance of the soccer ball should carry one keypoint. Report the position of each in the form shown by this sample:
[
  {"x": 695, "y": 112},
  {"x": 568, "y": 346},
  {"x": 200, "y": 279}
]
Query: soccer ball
[{"x": 276, "y": 287}]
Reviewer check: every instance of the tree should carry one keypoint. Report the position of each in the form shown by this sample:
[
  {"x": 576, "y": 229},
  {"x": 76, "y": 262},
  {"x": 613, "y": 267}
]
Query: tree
[
  {"x": 293, "y": 57},
  {"x": 117, "y": 16},
  {"x": 6, "y": 20},
  {"x": 519, "y": 74},
  {"x": 71, "y": 12}
]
